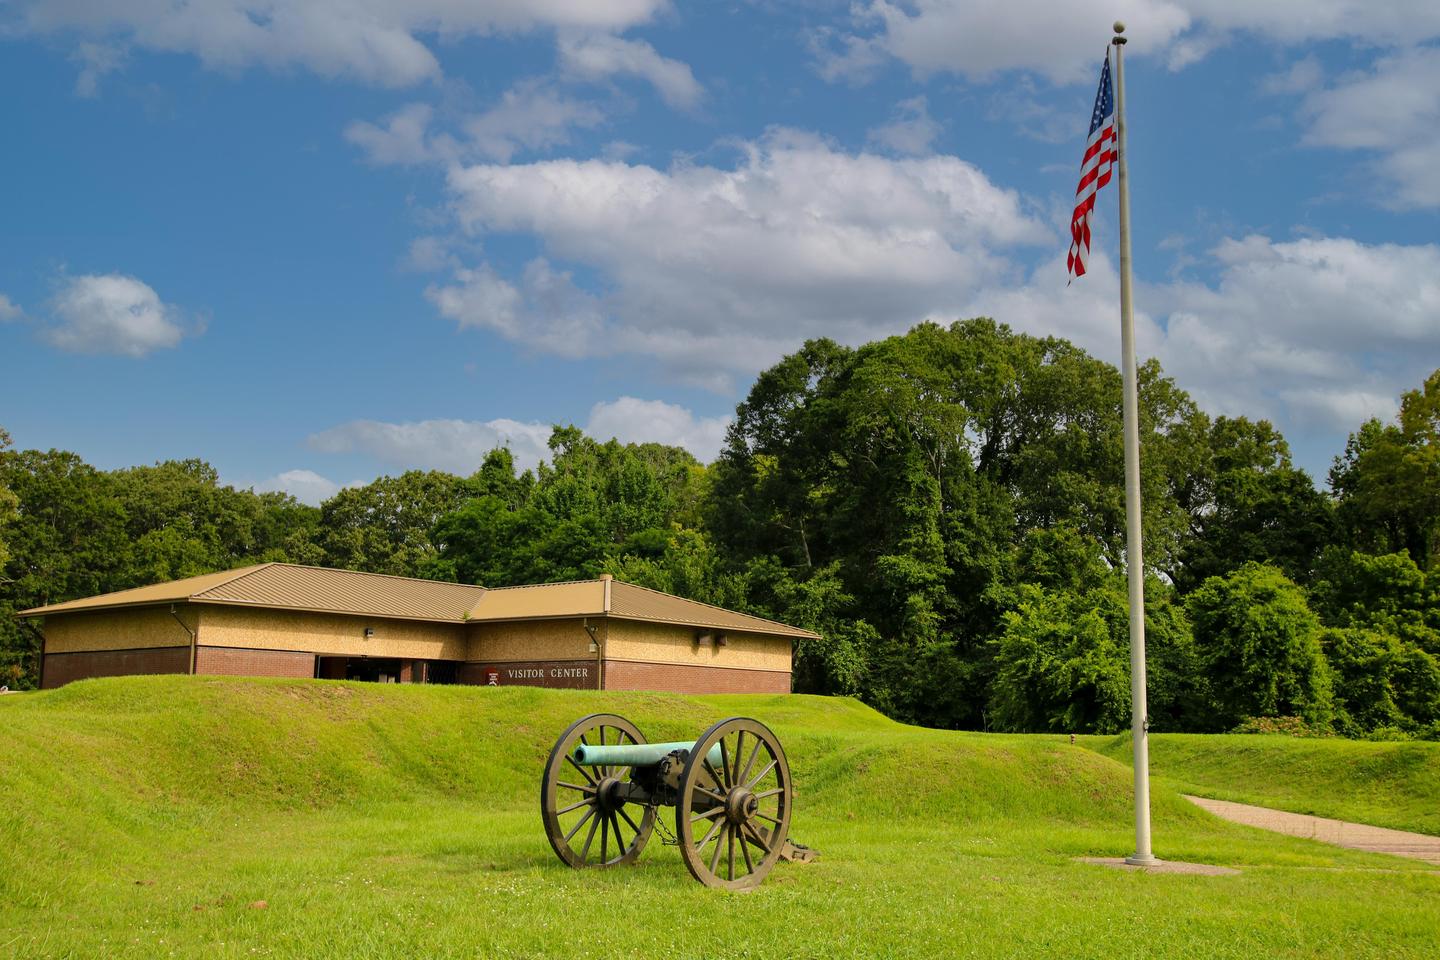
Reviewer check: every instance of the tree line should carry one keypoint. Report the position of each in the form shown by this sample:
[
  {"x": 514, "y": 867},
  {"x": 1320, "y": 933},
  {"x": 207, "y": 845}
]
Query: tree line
[{"x": 944, "y": 508}]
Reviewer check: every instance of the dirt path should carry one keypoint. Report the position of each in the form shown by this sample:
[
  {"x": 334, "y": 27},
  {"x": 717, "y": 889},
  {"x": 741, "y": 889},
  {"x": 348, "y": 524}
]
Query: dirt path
[{"x": 1356, "y": 836}]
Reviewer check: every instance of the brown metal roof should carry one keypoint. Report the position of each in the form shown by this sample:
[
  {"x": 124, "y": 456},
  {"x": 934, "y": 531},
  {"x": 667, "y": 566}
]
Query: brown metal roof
[
  {"x": 641, "y": 603},
  {"x": 291, "y": 587},
  {"x": 287, "y": 586},
  {"x": 176, "y": 591},
  {"x": 577, "y": 598},
  {"x": 346, "y": 591}
]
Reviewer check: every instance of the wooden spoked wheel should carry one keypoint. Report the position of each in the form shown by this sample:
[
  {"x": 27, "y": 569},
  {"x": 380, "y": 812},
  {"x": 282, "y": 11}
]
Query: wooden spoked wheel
[
  {"x": 732, "y": 819},
  {"x": 584, "y": 808}
]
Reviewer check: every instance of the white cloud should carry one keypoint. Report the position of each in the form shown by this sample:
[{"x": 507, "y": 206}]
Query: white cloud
[
  {"x": 1338, "y": 408},
  {"x": 1394, "y": 110},
  {"x": 1299, "y": 21},
  {"x": 846, "y": 56},
  {"x": 1320, "y": 332},
  {"x": 1020, "y": 104},
  {"x": 910, "y": 131},
  {"x": 718, "y": 269},
  {"x": 97, "y": 60},
  {"x": 111, "y": 313},
  {"x": 459, "y": 446},
  {"x": 1063, "y": 41},
  {"x": 631, "y": 420},
  {"x": 1085, "y": 312},
  {"x": 9, "y": 310},
  {"x": 430, "y": 254},
  {"x": 598, "y": 56},
  {"x": 402, "y": 140},
  {"x": 374, "y": 41},
  {"x": 307, "y": 486},
  {"x": 547, "y": 311},
  {"x": 1302, "y": 76},
  {"x": 1329, "y": 291},
  {"x": 530, "y": 116}
]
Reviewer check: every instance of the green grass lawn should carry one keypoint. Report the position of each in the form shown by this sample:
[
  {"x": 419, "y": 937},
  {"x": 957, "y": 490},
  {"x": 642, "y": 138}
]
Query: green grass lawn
[
  {"x": 142, "y": 817},
  {"x": 1393, "y": 785}
]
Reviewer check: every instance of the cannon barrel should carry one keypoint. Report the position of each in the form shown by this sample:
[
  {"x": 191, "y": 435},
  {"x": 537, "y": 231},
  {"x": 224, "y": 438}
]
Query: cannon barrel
[{"x": 635, "y": 754}]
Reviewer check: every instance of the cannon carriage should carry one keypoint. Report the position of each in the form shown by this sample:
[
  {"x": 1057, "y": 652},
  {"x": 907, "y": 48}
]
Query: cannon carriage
[{"x": 604, "y": 785}]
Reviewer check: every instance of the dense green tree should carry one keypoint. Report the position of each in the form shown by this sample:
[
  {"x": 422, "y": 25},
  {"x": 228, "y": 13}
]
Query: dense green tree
[
  {"x": 69, "y": 539},
  {"x": 1063, "y": 660},
  {"x": 1387, "y": 592},
  {"x": 1364, "y": 664},
  {"x": 9, "y": 503},
  {"x": 1177, "y": 690},
  {"x": 1382, "y": 682},
  {"x": 181, "y": 521},
  {"x": 1416, "y": 684},
  {"x": 1382, "y": 642},
  {"x": 681, "y": 561},
  {"x": 945, "y": 509},
  {"x": 498, "y": 478},
  {"x": 1259, "y": 649},
  {"x": 384, "y": 526},
  {"x": 81, "y": 531},
  {"x": 1061, "y": 666},
  {"x": 1387, "y": 482},
  {"x": 914, "y": 465},
  {"x": 1248, "y": 502},
  {"x": 837, "y": 662},
  {"x": 591, "y": 505}
]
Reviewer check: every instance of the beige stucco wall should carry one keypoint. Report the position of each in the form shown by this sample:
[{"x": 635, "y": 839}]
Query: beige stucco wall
[
  {"x": 132, "y": 629},
  {"x": 532, "y": 640},
  {"x": 666, "y": 643},
  {"x": 327, "y": 633},
  {"x": 335, "y": 634}
]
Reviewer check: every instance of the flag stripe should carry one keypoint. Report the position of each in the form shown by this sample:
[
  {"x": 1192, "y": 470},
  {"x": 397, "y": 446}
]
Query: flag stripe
[{"x": 1095, "y": 168}]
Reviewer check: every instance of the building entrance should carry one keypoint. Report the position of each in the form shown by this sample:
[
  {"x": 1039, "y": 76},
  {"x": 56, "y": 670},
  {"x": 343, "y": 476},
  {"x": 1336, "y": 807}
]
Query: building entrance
[{"x": 385, "y": 670}]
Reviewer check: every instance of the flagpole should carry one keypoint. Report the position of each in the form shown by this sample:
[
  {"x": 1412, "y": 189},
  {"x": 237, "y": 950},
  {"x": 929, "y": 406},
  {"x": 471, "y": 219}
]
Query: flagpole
[{"x": 1134, "y": 559}]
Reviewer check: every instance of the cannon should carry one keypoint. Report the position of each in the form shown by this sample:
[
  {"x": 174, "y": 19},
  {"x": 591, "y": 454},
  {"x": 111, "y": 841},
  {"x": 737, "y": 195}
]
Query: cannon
[{"x": 604, "y": 784}]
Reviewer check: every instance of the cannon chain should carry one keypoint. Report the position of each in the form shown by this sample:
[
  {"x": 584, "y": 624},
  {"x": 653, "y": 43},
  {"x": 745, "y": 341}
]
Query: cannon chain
[{"x": 731, "y": 790}]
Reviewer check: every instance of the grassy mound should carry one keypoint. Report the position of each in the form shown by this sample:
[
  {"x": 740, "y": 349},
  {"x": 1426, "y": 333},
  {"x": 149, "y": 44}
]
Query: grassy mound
[
  {"x": 1393, "y": 785},
  {"x": 237, "y": 817},
  {"x": 167, "y": 743}
]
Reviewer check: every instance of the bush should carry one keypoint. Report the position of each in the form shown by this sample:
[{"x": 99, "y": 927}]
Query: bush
[
  {"x": 1281, "y": 726},
  {"x": 1060, "y": 667},
  {"x": 1259, "y": 648}
]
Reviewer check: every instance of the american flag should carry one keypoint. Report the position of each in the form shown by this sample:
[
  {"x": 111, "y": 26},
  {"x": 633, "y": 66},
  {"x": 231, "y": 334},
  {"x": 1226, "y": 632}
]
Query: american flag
[{"x": 1100, "y": 156}]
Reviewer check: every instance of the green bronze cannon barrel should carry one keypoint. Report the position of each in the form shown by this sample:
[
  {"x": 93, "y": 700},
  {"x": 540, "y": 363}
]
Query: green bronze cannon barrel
[{"x": 634, "y": 754}]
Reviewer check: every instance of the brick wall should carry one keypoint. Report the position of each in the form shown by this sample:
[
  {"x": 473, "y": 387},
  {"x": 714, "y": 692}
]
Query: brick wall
[
  {"x": 244, "y": 662},
  {"x": 687, "y": 678},
  {"x": 62, "y": 668}
]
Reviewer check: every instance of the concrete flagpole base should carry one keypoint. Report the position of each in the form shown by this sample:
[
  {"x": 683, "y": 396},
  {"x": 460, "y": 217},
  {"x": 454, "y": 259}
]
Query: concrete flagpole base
[{"x": 1162, "y": 866}]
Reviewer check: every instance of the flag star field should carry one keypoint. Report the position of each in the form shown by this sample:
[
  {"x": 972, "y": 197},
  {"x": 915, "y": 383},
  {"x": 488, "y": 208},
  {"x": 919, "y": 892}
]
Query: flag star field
[{"x": 315, "y": 243}]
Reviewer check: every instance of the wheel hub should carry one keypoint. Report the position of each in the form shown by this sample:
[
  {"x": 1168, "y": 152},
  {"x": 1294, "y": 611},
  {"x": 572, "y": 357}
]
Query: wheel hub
[
  {"x": 607, "y": 794},
  {"x": 741, "y": 805}
]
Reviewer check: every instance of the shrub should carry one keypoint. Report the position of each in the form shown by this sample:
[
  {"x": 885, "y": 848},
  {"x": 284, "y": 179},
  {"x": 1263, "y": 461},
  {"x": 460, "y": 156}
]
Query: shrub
[{"x": 1259, "y": 647}]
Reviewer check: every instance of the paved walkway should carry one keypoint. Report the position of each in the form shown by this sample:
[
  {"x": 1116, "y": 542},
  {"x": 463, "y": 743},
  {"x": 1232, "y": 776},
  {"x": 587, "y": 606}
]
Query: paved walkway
[{"x": 1356, "y": 836}]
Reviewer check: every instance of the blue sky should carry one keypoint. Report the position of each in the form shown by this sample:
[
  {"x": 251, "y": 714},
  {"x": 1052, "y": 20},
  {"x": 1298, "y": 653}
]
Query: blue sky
[{"x": 316, "y": 242}]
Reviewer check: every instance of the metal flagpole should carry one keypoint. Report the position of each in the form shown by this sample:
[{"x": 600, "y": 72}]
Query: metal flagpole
[{"x": 1134, "y": 558}]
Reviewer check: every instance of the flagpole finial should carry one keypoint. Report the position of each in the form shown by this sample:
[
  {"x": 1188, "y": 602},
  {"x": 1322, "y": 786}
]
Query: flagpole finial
[{"x": 1119, "y": 26}]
